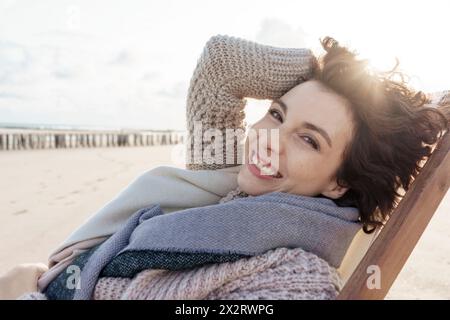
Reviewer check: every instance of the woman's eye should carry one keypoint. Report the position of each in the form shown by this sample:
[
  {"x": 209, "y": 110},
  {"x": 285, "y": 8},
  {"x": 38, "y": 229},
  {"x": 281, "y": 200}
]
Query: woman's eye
[
  {"x": 311, "y": 142},
  {"x": 275, "y": 114}
]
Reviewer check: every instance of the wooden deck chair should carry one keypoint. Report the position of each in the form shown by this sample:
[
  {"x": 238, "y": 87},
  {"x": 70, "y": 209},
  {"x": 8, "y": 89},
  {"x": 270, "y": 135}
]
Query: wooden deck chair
[{"x": 389, "y": 250}]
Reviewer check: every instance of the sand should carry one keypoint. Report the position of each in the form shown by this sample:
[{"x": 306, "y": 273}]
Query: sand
[{"x": 46, "y": 194}]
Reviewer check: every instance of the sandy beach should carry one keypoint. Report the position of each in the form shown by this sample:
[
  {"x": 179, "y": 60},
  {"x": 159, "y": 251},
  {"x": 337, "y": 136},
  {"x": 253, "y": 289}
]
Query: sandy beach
[{"x": 46, "y": 194}]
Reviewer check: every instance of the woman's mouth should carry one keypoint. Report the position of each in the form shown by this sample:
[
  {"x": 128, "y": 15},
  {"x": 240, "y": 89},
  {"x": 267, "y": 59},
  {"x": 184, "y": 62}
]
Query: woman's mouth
[{"x": 262, "y": 169}]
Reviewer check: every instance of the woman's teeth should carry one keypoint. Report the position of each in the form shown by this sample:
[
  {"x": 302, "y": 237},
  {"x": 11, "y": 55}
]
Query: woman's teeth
[{"x": 265, "y": 170}]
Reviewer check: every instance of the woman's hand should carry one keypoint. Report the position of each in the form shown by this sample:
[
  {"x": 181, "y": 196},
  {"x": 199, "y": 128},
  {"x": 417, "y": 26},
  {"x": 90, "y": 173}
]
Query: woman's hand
[{"x": 20, "y": 279}]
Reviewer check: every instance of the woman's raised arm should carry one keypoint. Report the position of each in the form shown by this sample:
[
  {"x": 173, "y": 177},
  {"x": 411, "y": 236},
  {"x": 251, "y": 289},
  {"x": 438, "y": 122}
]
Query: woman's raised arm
[{"x": 228, "y": 70}]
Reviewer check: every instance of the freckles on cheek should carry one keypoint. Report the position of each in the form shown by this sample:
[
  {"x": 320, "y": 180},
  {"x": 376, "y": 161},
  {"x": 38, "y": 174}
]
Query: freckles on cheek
[{"x": 308, "y": 169}]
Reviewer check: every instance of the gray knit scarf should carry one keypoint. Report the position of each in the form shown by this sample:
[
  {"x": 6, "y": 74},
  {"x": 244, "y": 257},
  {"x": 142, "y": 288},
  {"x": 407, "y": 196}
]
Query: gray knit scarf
[{"x": 223, "y": 232}]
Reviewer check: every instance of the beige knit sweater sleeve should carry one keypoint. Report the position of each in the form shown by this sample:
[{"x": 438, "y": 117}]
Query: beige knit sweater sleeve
[{"x": 229, "y": 70}]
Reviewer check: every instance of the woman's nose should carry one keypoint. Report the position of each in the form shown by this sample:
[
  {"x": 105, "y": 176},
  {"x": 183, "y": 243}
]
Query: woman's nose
[{"x": 269, "y": 141}]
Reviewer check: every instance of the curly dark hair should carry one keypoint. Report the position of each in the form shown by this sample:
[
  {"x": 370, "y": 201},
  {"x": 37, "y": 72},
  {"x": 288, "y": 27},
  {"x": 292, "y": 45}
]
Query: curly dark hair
[{"x": 395, "y": 131}]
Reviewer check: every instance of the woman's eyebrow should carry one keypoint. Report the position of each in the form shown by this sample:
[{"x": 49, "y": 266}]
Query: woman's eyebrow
[
  {"x": 319, "y": 130},
  {"x": 282, "y": 104},
  {"x": 307, "y": 125}
]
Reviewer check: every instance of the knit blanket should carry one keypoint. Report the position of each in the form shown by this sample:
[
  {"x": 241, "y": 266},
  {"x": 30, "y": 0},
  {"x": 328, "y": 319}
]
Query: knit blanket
[
  {"x": 219, "y": 233},
  {"x": 277, "y": 274}
]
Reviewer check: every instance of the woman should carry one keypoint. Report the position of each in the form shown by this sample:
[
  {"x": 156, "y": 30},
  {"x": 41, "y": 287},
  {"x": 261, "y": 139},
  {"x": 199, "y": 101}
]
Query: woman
[{"x": 346, "y": 138}]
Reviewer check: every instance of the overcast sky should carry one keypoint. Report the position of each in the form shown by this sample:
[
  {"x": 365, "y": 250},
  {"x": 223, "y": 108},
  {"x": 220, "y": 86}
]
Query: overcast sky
[{"x": 128, "y": 63}]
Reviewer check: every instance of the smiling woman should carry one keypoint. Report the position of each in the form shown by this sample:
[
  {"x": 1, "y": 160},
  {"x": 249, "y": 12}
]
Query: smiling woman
[{"x": 347, "y": 134}]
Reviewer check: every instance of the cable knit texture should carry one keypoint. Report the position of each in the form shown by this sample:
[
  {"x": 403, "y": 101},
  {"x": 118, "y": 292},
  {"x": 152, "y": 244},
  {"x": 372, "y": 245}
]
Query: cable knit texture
[
  {"x": 229, "y": 70},
  {"x": 278, "y": 274}
]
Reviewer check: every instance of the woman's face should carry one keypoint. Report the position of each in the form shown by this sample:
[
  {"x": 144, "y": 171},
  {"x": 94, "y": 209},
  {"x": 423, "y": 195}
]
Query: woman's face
[{"x": 314, "y": 126}]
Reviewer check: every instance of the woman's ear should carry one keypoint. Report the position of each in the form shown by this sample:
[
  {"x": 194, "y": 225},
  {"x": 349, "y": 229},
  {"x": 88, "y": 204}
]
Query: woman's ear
[{"x": 334, "y": 190}]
